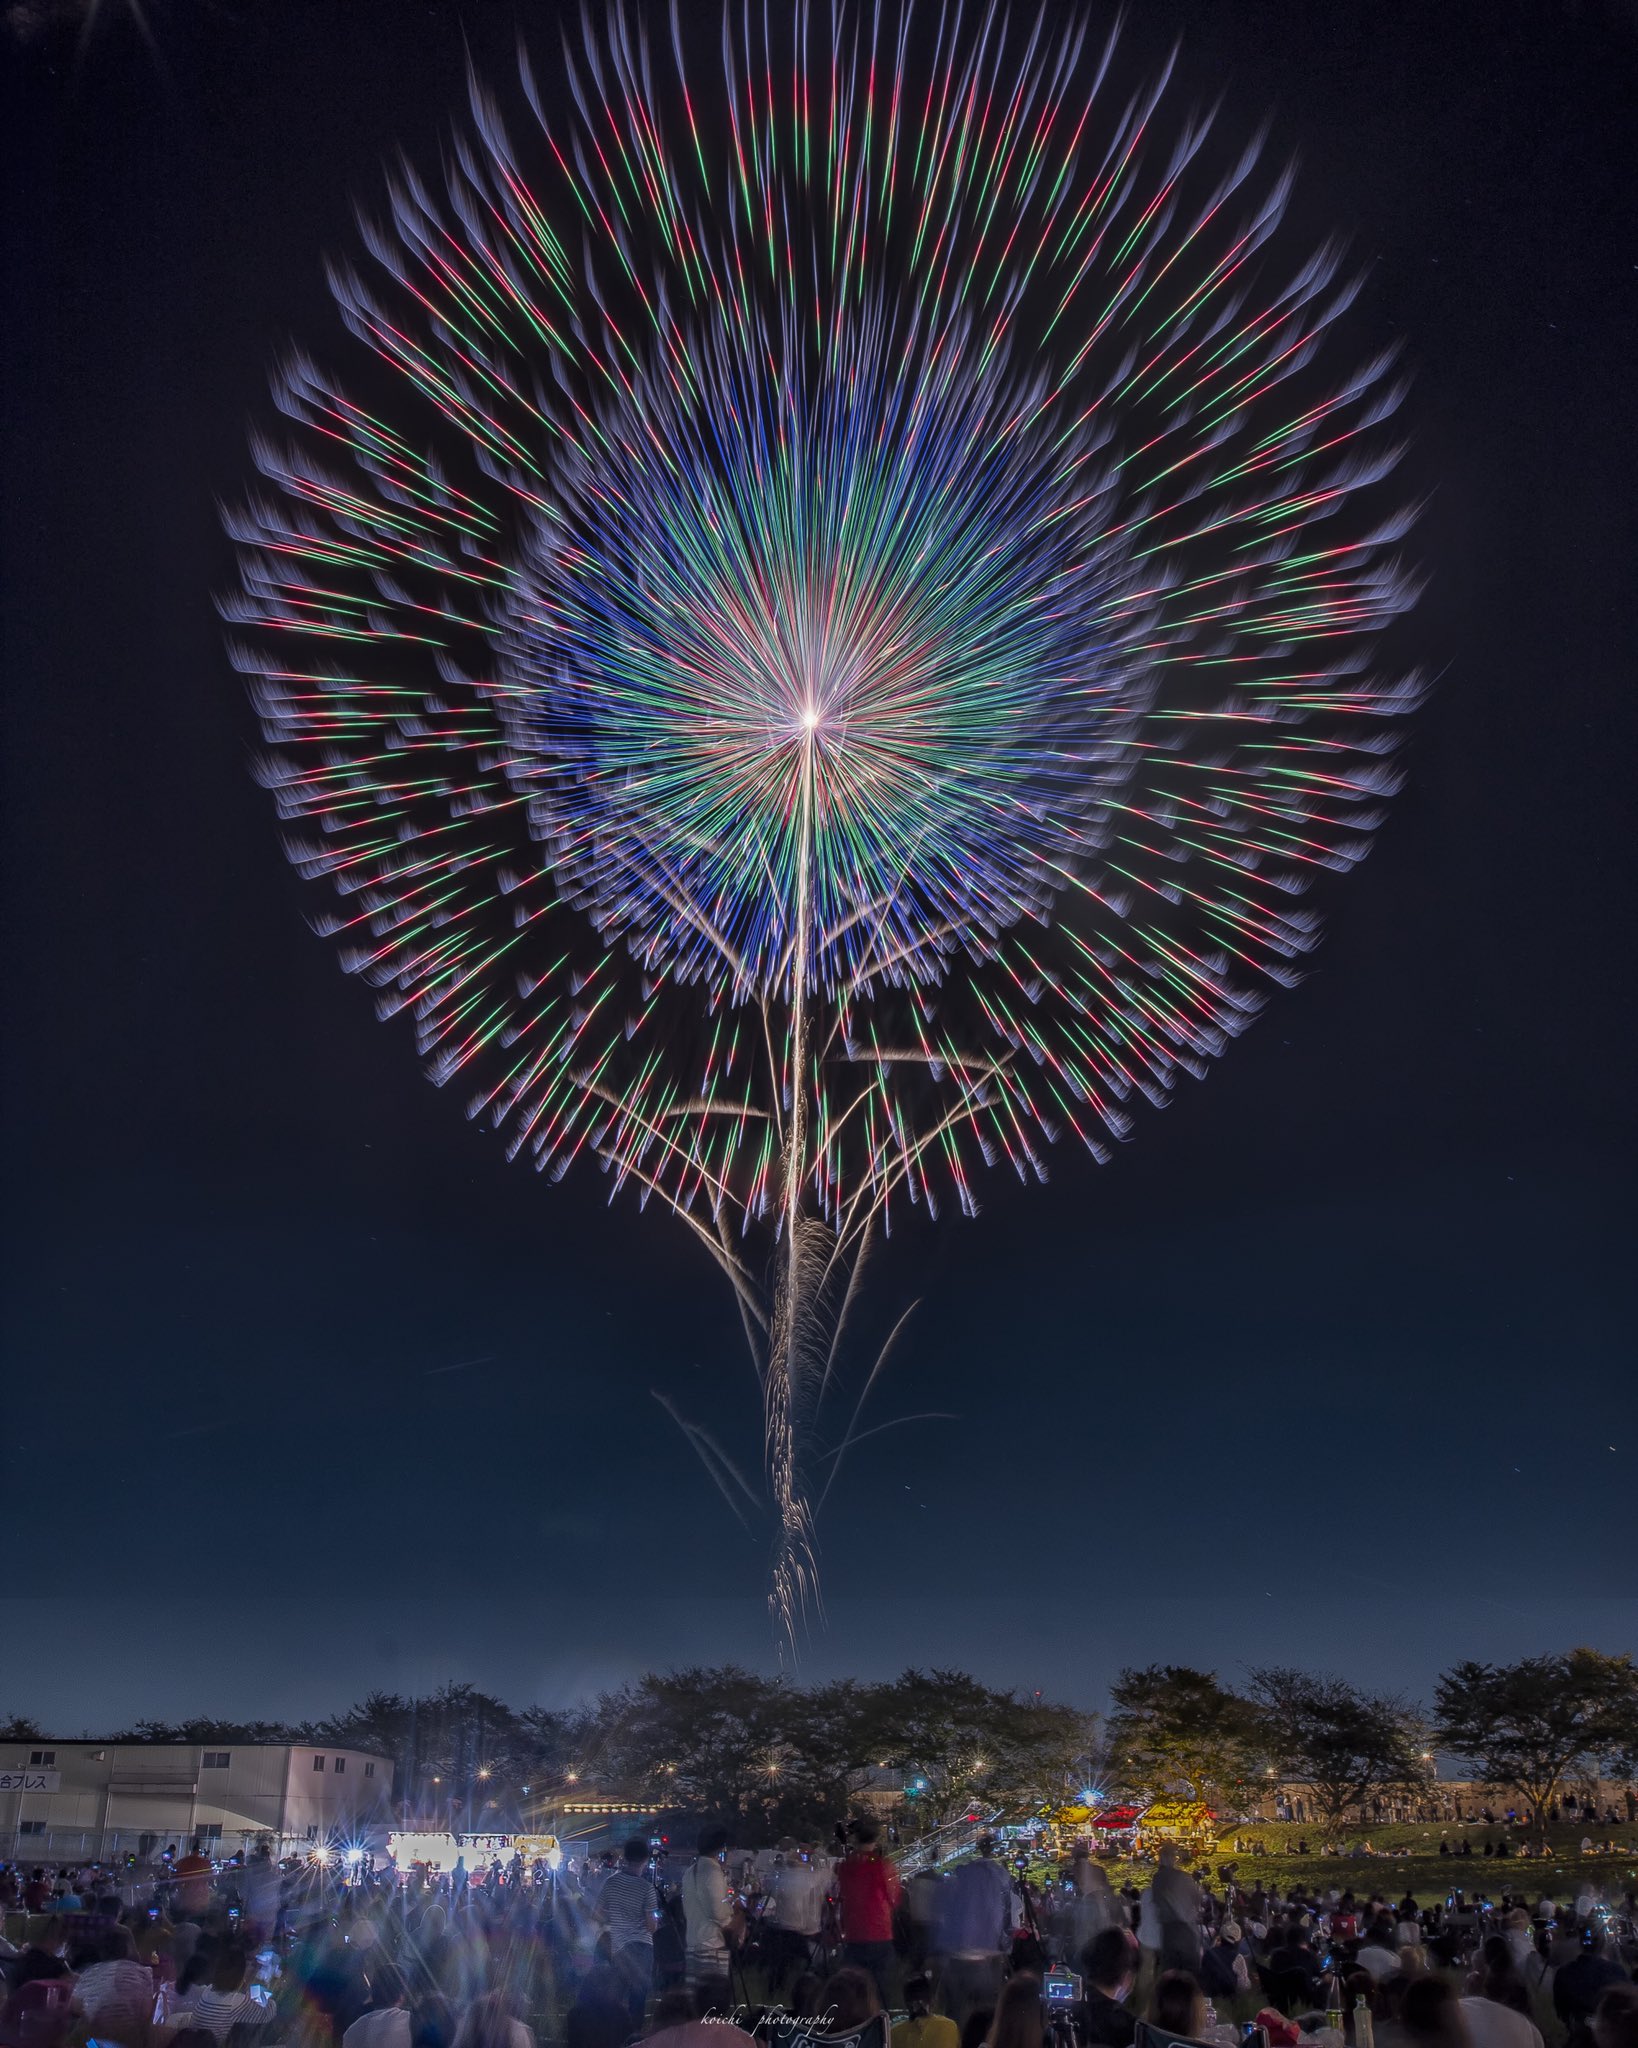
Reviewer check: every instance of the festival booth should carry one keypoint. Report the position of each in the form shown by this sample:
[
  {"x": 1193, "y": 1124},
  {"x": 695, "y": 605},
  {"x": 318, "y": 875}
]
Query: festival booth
[
  {"x": 539, "y": 1849},
  {"x": 1114, "y": 1830},
  {"x": 438, "y": 1854},
  {"x": 1056, "y": 1829},
  {"x": 1190, "y": 1823}
]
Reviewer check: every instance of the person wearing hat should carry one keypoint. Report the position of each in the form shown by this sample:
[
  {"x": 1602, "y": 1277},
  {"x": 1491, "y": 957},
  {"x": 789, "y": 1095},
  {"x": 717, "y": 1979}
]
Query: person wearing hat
[{"x": 1224, "y": 1972}]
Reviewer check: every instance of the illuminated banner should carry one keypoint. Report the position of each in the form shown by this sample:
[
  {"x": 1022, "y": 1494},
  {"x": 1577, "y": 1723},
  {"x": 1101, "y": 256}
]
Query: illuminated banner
[{"x": 442, "y": 1852}]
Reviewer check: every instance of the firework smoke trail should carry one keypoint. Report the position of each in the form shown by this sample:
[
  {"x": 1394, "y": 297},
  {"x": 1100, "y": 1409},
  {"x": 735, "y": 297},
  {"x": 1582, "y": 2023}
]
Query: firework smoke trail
[{"x": 824, "y": 632}]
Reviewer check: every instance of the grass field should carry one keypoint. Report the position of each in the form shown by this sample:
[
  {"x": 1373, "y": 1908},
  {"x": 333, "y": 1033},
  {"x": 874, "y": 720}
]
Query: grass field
[{"x": 1408, "y": 1859}]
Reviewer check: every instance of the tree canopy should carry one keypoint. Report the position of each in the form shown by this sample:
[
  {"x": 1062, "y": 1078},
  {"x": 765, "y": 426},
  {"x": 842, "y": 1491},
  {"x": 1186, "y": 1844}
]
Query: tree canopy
[
  {"x": 1347, "y": 1743},
  {"x": 1527, "y": 1727},
  {"x": 1176, "y": 1729},
  {"x": 767, "y": 1756}
]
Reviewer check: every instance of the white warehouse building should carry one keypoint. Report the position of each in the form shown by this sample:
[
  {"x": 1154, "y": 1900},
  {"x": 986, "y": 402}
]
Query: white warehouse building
[{"x": 100, "y": 1800}]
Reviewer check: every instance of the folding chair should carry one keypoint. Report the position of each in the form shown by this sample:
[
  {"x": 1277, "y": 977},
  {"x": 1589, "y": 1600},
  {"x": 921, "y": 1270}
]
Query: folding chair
[{"x": 39, "y": 2015}]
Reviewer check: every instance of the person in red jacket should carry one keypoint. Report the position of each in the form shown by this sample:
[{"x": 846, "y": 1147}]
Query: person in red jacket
[
  {"x": 193, "y": 1876},
  {"x": 868, "y": 1889}
]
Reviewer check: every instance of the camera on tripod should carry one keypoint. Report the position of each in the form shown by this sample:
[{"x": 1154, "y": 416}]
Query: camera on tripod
[
  {"x": 1061, "y": 1988},
  {"x": 1061, "y": 1994}
]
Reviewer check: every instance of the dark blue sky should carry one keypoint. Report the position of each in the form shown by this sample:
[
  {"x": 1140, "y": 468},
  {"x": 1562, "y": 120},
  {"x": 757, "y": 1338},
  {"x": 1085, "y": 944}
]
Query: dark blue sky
[{"x": 1332, "y": 1364}]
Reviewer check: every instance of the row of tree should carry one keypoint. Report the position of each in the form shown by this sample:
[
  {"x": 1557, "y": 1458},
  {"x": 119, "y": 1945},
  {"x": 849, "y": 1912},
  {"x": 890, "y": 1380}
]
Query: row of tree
[
  {"x": 1528, "y": 1730},
  {"x": 775, "y": 1757},
  {"x": 770, "y": 1756}
]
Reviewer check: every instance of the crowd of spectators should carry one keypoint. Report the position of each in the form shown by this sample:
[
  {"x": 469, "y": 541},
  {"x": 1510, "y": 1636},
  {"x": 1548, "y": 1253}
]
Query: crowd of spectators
[{"x": 794, "y": 1943}]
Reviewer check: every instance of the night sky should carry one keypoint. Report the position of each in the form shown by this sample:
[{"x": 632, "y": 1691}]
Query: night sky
[{"x": 309, "y": 1391}]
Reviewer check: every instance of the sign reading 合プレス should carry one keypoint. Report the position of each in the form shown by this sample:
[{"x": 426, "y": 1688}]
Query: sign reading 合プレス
[{"x": 30, "y": 1781}]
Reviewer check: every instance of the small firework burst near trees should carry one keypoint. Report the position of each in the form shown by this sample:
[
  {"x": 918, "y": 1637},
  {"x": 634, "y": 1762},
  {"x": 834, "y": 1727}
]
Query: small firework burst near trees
[{"x": 823, "y": 631}]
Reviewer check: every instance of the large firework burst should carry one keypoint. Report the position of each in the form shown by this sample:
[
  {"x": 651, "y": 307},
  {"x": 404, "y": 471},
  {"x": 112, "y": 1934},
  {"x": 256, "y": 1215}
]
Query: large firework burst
[{"x": 826, "y": 643}]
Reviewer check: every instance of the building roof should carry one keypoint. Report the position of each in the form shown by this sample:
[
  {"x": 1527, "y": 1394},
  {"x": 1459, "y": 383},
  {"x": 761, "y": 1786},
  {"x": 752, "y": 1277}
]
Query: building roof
[{"x": 204, "y": 1742}]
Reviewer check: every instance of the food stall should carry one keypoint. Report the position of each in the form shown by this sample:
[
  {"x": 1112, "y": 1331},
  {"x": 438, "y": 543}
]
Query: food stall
[
  {"x": 1058, "y": 1828},
  {"x": 1114, "y": 1830},
  {"x": 1189, "y": 1823}
]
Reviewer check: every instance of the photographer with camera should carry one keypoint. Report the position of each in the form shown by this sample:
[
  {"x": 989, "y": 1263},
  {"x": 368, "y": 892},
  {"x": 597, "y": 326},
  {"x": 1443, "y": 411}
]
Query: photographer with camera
[
  {"x": 795, "y": 1913},
  {"x": 711, "y": 1917},
  {"x": 868, "y": 1892}
]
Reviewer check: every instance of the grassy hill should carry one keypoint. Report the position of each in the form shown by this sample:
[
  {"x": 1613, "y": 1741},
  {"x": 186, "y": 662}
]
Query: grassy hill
[{"x": 1407, "y": 1859}]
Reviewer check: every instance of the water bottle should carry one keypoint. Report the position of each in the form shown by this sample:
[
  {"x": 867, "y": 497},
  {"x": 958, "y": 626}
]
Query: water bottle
[{"x": 1364, "y": 2026}]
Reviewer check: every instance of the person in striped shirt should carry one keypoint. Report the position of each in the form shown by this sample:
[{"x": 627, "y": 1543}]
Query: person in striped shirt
[
  {"x": 628, "y": 1908},
  {"x": 113, "y": 1991},
  {"x": 227, "y": 2002}
]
